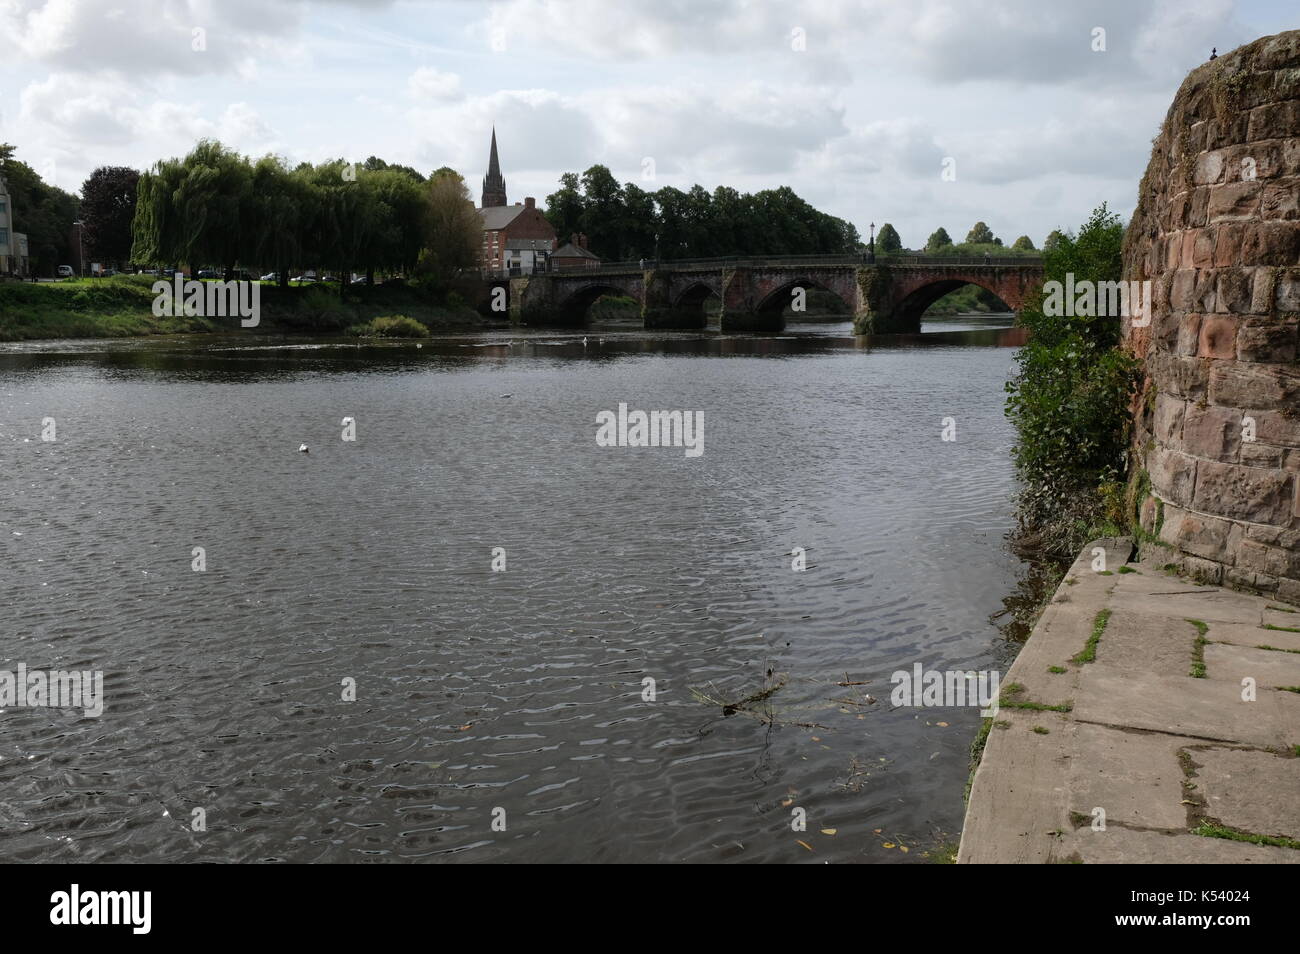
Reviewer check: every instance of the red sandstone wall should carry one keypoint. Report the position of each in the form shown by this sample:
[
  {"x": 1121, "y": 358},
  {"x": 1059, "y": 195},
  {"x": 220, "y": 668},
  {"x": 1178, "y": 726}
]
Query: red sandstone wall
[{"x": 1217, "y": 231}]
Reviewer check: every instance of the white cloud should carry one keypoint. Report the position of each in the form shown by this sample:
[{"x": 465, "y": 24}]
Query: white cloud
[{"x": 427, "y": 83}]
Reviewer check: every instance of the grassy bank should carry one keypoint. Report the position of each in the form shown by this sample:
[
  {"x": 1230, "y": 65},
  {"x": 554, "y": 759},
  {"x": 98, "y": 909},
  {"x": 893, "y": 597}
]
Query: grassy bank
[{"x": 122, "y": 306}]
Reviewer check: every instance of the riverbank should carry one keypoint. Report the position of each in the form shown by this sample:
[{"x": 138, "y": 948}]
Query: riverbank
[
  {"x": 122, "y": 306},
  {"x": 1147, "y": 719}
]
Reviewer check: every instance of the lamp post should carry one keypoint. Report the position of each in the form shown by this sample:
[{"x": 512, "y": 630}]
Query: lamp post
[
  {"x": 81, "y": 247},
  {"x": 871, "y": 246}
]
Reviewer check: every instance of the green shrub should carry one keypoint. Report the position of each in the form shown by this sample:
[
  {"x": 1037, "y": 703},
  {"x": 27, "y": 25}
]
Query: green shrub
[
  {"x": 390, "y": 326},
  {"x": 1069, "y": 401}
]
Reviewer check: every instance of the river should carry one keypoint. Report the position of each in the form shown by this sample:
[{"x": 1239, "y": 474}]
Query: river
[{"x": 499, "y": 715}]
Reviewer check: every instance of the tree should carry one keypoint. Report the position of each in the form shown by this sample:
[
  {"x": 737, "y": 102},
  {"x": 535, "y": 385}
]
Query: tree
[
  {"x": 980, "y": 234},
  {"x": 108, "y": 209},
  {"x": 375, "y": 164},
  {"x": 938, "y": 239},
  {"x": 602, "y": 212},
  {"x": 888, "y": 241},
  {"x": 454, "y": 231},
  {"x": 1052, "y": 240},
  {"x": 565, "y": 206},
  {"x": 622, "y": 223},
  {"x": 276, "y": 211},
  {"x": 197, "y": 210},
  {"x": 1023, "y": 244}
]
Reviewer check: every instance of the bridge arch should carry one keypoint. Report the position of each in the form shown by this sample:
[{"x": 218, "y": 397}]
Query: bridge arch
[
  {"x": 575, "y": 304},
  {"x": 775, "y": 302},
  {"x": 913, "y": 305},
  {"x": 695, "y": 295}
]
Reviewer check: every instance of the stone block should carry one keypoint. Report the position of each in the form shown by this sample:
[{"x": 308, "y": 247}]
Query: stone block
[
  {"x": 1260, "y": 386},
  {"x": 1173, "y": 475},
  {"x": 1270, "y": 243},
  {"x": 1262, "y": 339},
  {"x": 1210, "y": 538},
  {"x": 1211, "y": 431},
  {"x": 1280, "y": 201},
  {"x": 1244, "y": 493},
  {"x": 1234, "y": 290},
  {"x": 1186, "y": 377},
  {"x": 1234, "y": 201},
  {"x": 1189, "y": 335},
  {"x": 1168, "y": 419}
]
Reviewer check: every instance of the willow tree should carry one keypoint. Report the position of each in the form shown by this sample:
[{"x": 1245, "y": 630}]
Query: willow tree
[
  {"x": 195, "y": 210},
  {"x": 275, "y": 221}
]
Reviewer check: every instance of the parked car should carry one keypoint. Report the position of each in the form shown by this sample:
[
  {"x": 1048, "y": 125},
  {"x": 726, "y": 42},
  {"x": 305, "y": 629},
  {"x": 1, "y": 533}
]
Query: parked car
[
  {"x": 329, "y": 278},
  {"x": 65, "y": 271},
  {"x": 359, "y": 280},
  {"x": 271, "y": 277},
  {"x": 303, "y": 280},
  {"x": 206, "y": 273}
]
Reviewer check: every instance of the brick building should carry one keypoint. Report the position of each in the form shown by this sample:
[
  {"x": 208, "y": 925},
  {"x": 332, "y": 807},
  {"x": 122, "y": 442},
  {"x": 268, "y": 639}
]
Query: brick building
[
  {"x": 13, "y": 245},
  {"x": 516, "y": 238},
  {"x": 575, "y": 254}
]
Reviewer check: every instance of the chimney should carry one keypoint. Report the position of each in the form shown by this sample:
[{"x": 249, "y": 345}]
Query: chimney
[
  {"x": 584, "y": 239},
  {"x": 530, "y": 203},
  {"x": 573, "y": 240}
]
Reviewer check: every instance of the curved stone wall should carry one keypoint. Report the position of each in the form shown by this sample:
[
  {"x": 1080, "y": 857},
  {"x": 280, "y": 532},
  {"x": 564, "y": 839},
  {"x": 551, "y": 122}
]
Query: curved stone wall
[{"x": 1217, "y": 232}]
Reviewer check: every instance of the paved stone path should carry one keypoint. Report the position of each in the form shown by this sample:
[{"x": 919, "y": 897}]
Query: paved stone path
[{"x": 1154, "y": 748}]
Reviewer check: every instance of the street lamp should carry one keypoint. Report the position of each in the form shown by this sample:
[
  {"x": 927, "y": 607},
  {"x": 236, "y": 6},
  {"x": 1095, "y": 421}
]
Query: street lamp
[
  {"x": 81, "y": 247},
  {"x": 871, "y": 246}
]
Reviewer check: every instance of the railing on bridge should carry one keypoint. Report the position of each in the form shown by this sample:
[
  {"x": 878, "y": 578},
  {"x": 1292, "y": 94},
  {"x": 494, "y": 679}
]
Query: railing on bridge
[{"x": 760, "y": 261}]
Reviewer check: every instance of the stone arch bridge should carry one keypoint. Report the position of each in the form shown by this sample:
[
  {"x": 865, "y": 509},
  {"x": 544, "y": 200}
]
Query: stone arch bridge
[{"x": 752, "y": 295}]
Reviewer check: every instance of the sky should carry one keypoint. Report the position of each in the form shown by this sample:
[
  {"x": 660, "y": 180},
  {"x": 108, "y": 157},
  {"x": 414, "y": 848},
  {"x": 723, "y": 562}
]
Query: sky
[{"x": 1036, "y": 110}]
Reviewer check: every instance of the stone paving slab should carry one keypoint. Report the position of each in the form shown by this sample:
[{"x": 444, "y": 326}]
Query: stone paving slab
[
  {"x": 1134, "y": 777},
  {"x": 1023, "y": 774},
  {"x": 1118, "y": 845},
  {"x": 1287, "y": 617},
  {"x": 1183, "y": 706},
  {"x": 1240, "y": 635},
  {"x": 1139, "y": 728},
  {"x": 1232, "y": 780},
  {"x": 1065, "y": 630},
  {"x": 1209, "y": 604},
  {"x": 1269, "y": 669},
  {"x": 1146, "y": 643}
]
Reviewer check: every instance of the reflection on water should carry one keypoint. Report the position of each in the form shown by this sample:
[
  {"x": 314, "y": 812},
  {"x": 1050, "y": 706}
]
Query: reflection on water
[{"x": 520, "y": 690}]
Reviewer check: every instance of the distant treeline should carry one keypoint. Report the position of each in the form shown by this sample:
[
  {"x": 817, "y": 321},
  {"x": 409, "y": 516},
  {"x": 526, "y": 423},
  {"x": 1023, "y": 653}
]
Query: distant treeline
[{"x": 626, "y": 223}]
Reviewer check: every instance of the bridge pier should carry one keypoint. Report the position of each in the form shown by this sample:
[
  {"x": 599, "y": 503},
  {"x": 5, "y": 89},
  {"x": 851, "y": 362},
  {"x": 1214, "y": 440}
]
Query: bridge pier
[{"x": 657, "y": 310}]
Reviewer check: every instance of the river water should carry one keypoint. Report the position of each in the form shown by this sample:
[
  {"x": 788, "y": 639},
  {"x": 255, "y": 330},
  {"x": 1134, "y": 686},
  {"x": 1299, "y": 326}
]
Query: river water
[{"x": 516, "y": 699}]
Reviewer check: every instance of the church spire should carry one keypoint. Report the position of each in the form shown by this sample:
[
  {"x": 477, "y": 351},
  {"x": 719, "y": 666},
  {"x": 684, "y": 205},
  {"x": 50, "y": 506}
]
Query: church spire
[{"x": 494, "y": 186}]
